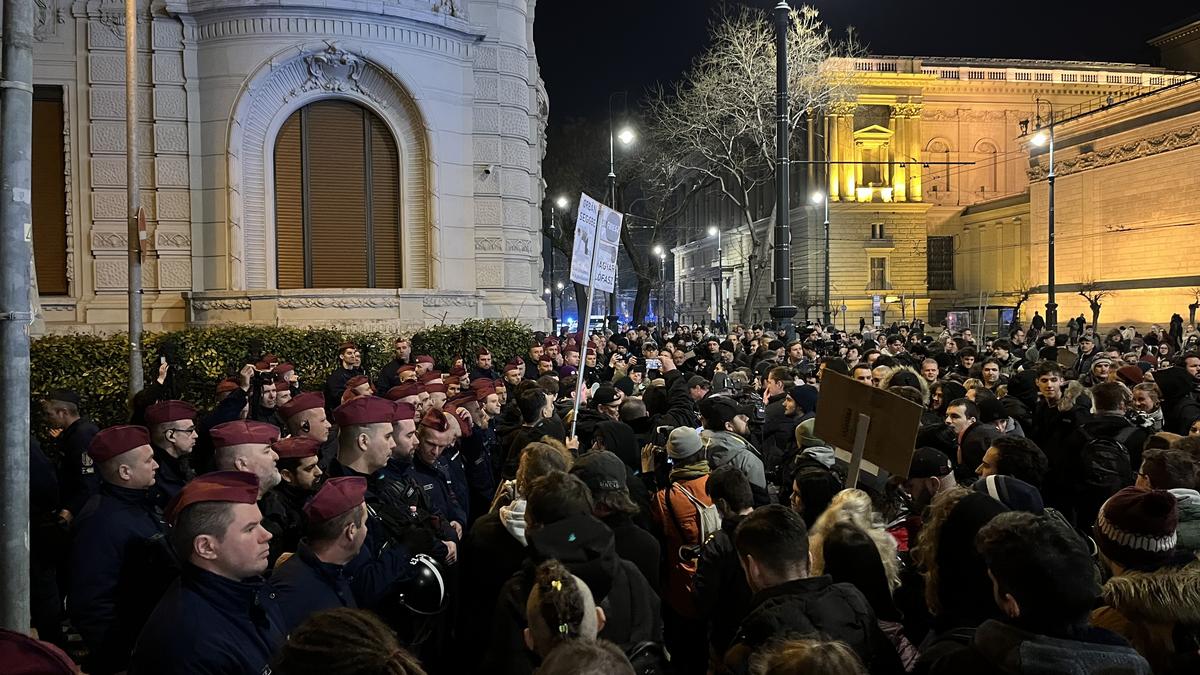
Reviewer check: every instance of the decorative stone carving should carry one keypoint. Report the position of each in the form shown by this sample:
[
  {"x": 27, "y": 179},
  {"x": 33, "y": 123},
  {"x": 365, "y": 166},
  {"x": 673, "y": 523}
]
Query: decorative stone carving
[
  {"x": 330, "y": 302},
  {"x": 984, "y": 115},
  {"x": 175, "y": 272},
  {"x": 111, "y": 273},
  {"x": 842, "y": 108},
  {"x": 449, "y": 301},
  {"x": 164, "y": 239},
  {"x": 334, "y": 70},
  {"x": 486, "y": 244},
  {"x": 938, "y": 114},
  {"x": 170, "y": 103},
  {"x": 489, "y": 275},
  {"x": 1136, "y": 149},
  {"x": 231, "y": 304},
  {"x": 518, "y": 246},
  {"x": 447, "y": 7},
  {"x": 109, "y": 240},
  {"x": 47, "y": 14}
]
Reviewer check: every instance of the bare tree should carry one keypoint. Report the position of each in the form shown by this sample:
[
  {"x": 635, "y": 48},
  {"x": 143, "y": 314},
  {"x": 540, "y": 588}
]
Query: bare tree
[
  {"x": 1023, "y": 290},
  {"x": 1193, "y": 306},
  {"x": 719, "y": 121},
  {"x": 808, "y": 300},
  {"x": 1090, "y": 290}
]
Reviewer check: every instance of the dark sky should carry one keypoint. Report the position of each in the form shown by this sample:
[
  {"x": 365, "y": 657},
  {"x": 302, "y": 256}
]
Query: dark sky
[{"x": 588, "y": 48}]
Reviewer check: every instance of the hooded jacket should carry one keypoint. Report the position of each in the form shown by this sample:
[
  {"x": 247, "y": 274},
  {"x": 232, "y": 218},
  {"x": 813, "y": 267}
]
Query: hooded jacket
[
  {"x": 1188, "y": 529},
  {"x": 586, "y": 547},
  {"x": 1149, "y": 608},
  {"x": 726, "y": 447},
  {"x": 1003, "y": 649},
  {"x": 1179, "y": 408},
  {"x": 492, "y": 551}
]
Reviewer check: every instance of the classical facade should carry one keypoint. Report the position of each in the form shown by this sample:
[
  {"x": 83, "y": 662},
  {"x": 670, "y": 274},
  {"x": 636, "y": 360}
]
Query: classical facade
[
  {"x": 300, "y": 162},
  {"x": 938, "y": 199}
]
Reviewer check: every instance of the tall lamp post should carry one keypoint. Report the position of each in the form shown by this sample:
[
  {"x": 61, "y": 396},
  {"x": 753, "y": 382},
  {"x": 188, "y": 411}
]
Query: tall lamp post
[
  {"x": 819, "y": 198},
  {"x": 562, "y": 203},
  {"x": 783, "y": 311},
  {"x": 662, "y": 282},
  {"x": 626, "y": 136},
  {"x": 559, "y": 287},
  {"x": 1045, "y": 137},
  {"x": 715, "y": 231}
]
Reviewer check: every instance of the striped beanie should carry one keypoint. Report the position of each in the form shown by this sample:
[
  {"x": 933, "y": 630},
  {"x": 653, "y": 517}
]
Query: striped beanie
[{"x": 1136, "y": 528}]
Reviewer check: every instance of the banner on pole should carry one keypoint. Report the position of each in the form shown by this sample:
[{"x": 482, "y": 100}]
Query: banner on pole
[{"x": 597, "y": 238}]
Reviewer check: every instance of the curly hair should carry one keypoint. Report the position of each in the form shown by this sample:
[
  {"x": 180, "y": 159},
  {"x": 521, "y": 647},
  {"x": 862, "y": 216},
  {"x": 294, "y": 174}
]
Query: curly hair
[
  {"x": 539, "y": 459},
  {"x": 344, "y": 641},
  {"x": 926, "y": 551},
  {"x": 855, "y": 507}
]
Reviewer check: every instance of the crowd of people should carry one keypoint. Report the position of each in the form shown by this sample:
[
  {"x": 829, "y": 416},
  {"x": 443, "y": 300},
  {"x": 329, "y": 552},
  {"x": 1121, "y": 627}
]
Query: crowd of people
[{"x": 674, "y": 512}]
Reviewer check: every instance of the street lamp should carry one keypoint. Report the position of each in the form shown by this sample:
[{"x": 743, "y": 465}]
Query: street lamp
[
  {"x": 662, "y": 286},
  {"x": 1044, "y": 137},
  {"x": 626, "y": 136},
  {"x": 561, "y": 203},
  {"x": 560, "y": 288},
  {"x": 714, "y": 231},
  {"x": 819, "y": 198}
]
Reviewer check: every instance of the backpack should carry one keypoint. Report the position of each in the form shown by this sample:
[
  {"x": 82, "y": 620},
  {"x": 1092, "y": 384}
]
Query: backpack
[
  {"x": 710, "y": 521},
  {"x": 1106, "y": 466},
  {"x": 648, "y": 658}
]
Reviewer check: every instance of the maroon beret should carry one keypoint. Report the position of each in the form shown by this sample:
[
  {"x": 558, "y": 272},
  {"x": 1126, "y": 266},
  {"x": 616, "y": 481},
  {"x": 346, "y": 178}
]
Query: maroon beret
[
  {"x": 458, "y": 371},
  {"x": 170, "y": 411},
  {"x": 282, "y": 385},
  {"x": 238, "y": 487},
  {"x": 23, "y": 655},
  {"x": 336, "y": 496},
  {"x": 462, "y": 398},
  {"x": 497, "y": 384},
  {"x": 549, "y": 342},
  {"x": 404, "y": 391},
  {"x": 243, "y": 432},
  {"x": 364, "y": 410},
  {"x": 436, "y": 420},
  {"x": 116, "y": 440},
  {"x": 227, "y": 385},
  {"x": 570, "y": 349},
  {"x": 436, "y": 387},
  {"x": 295, "y": 447},
  {"x": 309, "y": 400},
  {"x": 404, "y": 411},
  {"x": 270, "y": 358},
  {"x": 482, "y": 393},
  {"x": 407, "y": 368},
  {"x": 262, "y": 366},
  {"x": 428, "y": 377},
  {"x": 464, "y": 426},
  {"x": 284, "y": 368},
  {"x": 482, "y": 351},
  {"x": 423, "y": 358},
  {"x": 547, "y": 357},
  {"x": 481, "y": 383},
  {"x": 356, "y": 381},
  {"x": 511, "y": 367}
]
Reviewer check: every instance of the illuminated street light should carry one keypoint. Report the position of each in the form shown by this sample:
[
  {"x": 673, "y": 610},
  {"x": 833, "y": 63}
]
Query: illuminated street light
[
  {"x": 626, "y": 136},
  {"x": 817, "y": 197},
  {"x": 562, "y": 202},
  {"x": 658, "y": 251}
]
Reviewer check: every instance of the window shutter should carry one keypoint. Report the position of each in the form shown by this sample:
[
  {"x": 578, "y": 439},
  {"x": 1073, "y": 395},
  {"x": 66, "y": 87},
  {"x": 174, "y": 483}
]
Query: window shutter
[
  {"x": 337, "y": 194},
  {"x": 385, "y": 205},
  {"x": 49, "y": 200},
  {"x": 289, "y": 205}
]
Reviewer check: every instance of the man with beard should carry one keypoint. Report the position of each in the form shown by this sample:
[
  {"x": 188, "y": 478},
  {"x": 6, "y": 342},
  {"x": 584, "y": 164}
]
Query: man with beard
[
  {"x": 350, "y": 366},
  {"x": 390, "y": 375},
  {"x": 283, "y": 506},
  {"x": 246, "y": 446},
  {"x": 172, "y": 426},
  {"x": 483, "y": 365}
]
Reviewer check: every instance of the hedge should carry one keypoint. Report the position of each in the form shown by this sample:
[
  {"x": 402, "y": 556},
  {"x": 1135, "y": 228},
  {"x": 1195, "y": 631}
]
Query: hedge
[{"x": 97, "y": 366}]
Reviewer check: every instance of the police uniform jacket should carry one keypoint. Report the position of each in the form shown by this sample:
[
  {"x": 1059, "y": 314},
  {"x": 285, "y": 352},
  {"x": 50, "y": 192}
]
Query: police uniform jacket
[
  {"x": 439, "y": 491},
  {"x": 112, "y": 540},
  {"x": 283, "y": 516},
  {"x": 305, "y": 585},
  {"x": 173, "y": 473},
  {"x": 77, "y": 479},
  {"x": 206, "y": 624}
]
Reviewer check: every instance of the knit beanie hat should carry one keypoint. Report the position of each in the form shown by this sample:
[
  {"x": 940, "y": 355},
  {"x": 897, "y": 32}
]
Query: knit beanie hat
[
  {"x": 1136, "y": 527},
  {"x": 1014, "y": 493}
]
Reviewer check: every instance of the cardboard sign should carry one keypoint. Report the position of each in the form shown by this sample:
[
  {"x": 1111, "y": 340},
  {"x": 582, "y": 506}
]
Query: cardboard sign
[{"x": 894, "y": 421}]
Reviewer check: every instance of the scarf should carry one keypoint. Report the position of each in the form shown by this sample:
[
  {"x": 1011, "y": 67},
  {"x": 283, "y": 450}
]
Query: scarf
[{"x": 686, "y": 472}]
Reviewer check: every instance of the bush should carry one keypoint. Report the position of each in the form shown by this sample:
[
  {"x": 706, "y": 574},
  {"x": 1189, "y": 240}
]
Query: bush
[{"x": 97, "y": 366}]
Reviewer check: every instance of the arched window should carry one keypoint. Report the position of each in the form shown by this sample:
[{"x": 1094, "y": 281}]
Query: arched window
[
  {"x": 987, "y": 171},
  {"x": 337, "y": 199}
]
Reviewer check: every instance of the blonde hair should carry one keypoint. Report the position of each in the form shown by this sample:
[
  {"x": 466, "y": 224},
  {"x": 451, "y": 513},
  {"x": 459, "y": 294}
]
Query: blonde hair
[{"x": 854, "y": 506}]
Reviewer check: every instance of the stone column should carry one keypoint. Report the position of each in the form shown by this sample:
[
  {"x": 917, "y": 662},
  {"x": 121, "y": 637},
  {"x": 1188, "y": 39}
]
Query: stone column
[
  {"x": 833, "y": 155},
  {"x": 898, "y": 147},
  {"x": 912, "y": 137},
  {"x": 845, "y": 136}
]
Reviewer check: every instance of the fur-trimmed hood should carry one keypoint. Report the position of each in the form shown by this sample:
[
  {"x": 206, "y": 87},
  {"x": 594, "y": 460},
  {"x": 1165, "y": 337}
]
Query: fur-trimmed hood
[
  {"x": 1071, "y": 397},
  {"x": 1168, "y": 595}
]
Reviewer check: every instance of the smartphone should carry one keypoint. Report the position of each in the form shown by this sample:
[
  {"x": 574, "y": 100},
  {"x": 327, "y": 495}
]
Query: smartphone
[{"x": 653, "y": 364}]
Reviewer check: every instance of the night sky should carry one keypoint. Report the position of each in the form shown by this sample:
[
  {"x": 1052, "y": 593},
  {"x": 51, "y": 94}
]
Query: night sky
[{"x": 588, "y": 48}]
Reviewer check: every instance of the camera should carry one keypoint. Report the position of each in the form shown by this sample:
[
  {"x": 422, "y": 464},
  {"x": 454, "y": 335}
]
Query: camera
[{"x": 653, "y": 364}]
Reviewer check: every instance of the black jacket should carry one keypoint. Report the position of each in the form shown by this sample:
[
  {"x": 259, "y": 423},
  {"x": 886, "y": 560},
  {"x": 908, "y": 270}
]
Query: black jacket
[
  {"x": 389, "y": 377},
  {"x": 998, "y": 648},
  {"x": 1072, "y": 460},
  {"x": 283, "y": 516},
  {"x": 304, "y": 585},
  {"x": 635, "y": 544},
  {"x": 1179, "y": 407},
  {"x": 335, "y": 386},
  {"x": 721, "y": 589},
  {"x": 813, "y": 606},
  {"x": 77, "y": 479},
  {"x": 173, "y": 473},
  {"x": 587, "y": 548},
  {"x": 778, "y": 432},
  {"x": 490, "y": 556}
]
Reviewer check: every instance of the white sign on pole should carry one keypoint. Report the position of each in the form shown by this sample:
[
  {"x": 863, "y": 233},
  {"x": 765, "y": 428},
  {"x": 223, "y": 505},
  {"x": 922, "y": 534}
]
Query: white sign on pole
[{"x": 597, "y": 238}]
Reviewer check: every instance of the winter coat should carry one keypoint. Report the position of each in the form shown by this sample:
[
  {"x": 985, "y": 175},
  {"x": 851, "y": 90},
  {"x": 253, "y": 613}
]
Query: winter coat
[
  {"x": 1188, "y": 529},
  {"x": 778, "y": 430},
  {"x": 811, "y": 607},
  {"x": 998, "y": 648},
  {"x": 721, "y": 589},
  {"x": 492, "y": 551},
  {"x": 1151, "y": 610},
  {"x": 1068, "y": 460},
  {"x": 682, "y": 529},
  {"x": 586, "y": 547},
  {"x": 726, "y": 447},
  {"x": 305, "y": 585},
  {"x": 1179, "y": 407},
  {"x": 636, "y": 545}
]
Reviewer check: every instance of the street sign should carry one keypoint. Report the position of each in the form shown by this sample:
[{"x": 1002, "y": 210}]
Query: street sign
[
  {"x": 597, "y": 238},
  {"x": 879, "y": 426}
]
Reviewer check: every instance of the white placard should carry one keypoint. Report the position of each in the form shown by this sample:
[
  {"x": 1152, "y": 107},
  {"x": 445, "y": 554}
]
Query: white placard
[{"x": 597, "y": 238}]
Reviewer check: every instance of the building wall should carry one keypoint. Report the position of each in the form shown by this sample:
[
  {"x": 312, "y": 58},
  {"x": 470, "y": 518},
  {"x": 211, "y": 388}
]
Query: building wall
[{"x": 456, "y": 82}]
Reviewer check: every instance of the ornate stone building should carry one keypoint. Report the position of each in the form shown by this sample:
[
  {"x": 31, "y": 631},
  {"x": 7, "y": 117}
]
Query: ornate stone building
[
  {"x": 938, "y": 200},
  {"x": 301, "y": 162}
]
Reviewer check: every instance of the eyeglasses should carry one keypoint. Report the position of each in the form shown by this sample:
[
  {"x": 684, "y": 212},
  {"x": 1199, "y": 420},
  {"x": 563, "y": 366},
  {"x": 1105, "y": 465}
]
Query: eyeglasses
[{"x": 189, "y": 430}]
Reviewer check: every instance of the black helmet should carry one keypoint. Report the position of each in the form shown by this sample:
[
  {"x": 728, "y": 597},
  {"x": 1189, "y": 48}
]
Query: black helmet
[{"x": 425, "y": 591}]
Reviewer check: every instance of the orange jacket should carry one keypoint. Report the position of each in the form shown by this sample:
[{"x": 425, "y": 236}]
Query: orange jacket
[{"x": 684, "y": 530}]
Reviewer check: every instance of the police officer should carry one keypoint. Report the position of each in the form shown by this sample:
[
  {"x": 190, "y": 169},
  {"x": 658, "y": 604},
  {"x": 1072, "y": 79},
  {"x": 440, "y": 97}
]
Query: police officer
[
  {"x": 283, "y": 505},
  {"x": 315, "y": 579},
  {"x": 305, "y": 417},
  {"x": 77, "y": 480},
  {"x": 483, "y": 365},
  {"x": 335, "y": 384},
  {"x": 434, "y": 436},
  {"x": 172, "y": 426},
  {"x": 245, "y": 445},
  {"x": 111, "y": 535},
  {"x": 219, "y": 616}
]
